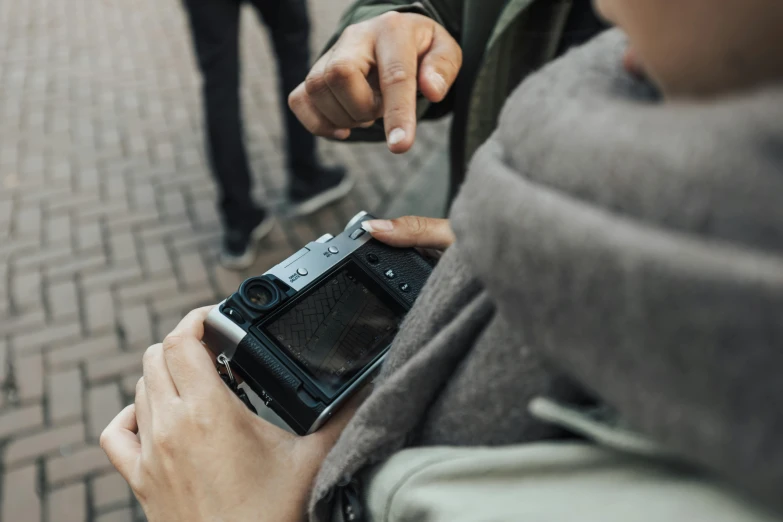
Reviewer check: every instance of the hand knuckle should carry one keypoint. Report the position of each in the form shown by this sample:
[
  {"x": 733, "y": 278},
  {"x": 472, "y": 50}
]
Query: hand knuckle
[
  {"x": 200, "y": 419},
  {"x": 171, "y": 341},
  {"x": 150, "y": 352},
  {"x": 295, "y": 100},
  {"x": 315, "y": 83},
  {"x": 339, "y": 71},
  {"x": 391, "y": 18},
  {"x": 399, "y": 113},
  {"x": 352, "y": 30},
  {"x": 104, "y": 439},
  {"x": 164, "y": 440},
  {"x": 418, "y": 225},
  {"x": 395, "y": 73}
]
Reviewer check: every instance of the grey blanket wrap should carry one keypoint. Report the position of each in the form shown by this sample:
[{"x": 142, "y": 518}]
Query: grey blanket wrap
[{"x": 610, "y": 247}]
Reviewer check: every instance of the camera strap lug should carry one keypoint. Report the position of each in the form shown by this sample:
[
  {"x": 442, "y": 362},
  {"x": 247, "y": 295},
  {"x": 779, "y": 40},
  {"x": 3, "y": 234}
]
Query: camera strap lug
[{"x": 224, "y": 370}]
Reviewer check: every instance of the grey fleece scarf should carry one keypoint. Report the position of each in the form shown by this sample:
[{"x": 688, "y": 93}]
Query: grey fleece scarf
[{"x": 611, "y": 248}]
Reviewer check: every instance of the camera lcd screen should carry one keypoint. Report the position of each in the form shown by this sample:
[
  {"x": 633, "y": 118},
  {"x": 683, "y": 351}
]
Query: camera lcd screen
[{"x": 337, "y": 328}]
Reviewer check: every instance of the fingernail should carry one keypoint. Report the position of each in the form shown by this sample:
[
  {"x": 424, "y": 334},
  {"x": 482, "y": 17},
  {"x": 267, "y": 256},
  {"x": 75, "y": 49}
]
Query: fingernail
[
  {"x": 377, "y": 225},
  {"x": 341, "y": 134},
  {"x": 396, "y": 136},
  {"x": 367, "y": 124},
  {"x": 437, "y": 81}
]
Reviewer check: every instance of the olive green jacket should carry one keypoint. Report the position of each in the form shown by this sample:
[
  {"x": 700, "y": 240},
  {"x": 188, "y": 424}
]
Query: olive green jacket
[{"x": 502, "y": 41}]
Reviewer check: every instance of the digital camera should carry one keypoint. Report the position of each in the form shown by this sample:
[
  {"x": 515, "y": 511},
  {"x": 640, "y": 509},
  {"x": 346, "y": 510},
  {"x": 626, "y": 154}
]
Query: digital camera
[{"x": 309, "y": 332}]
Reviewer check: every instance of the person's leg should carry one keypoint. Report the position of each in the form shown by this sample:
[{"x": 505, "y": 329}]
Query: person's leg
[
  {"x": 289, "y": 28},
  {"x": 311, "y": 185},
  {"x": 215, "y": 30}
]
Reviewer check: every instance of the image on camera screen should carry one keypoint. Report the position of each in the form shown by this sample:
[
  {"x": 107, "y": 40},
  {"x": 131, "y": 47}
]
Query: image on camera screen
[{"x": 336, "y": 330}]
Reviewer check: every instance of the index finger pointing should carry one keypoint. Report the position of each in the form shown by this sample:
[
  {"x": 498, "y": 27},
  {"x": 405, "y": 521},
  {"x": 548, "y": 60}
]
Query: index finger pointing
[
  {"x": 190, "y": 365},
  {"x": 397, "y": 56}
]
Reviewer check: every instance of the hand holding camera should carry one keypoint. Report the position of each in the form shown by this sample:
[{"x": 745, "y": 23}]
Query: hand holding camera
[{"x": 191, "y": 450}]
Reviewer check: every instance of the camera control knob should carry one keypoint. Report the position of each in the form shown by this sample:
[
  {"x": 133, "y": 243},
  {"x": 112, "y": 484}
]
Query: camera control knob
[
  {"x": 233, "y": 315},
  {"x": 333, "y": 250},
  {"x": 357, "y": 218},
  {"x": 325, "y": 238},
  {"x": 302, "y": 271}
]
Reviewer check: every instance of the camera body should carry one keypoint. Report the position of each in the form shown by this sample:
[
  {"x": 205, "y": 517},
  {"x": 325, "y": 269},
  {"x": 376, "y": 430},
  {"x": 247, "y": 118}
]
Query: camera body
[{"x": 306, "y": 334}]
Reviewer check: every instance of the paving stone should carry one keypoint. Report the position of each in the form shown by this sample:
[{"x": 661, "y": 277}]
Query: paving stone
[
  {"x": 29, "y": 377},
  {"x": 128, "y": 384},
  {"x": 99, "y": 310},
  {"x": 26, "y": 288},
  {"x": 3, "y": 361},
  {"x": 136, "y": 325},
  {"x": 43, "y": 257},
  {"x": 120, "y": 515},
  {"x": 25, "y": 323},
  {"x": 63, "y": 300},
  {"x": 191, "y": 269},
  {"x": 227, "y": 281},
  {"x": 78, "y": 464},
  {"x": 43, "y": 443},
  {"x": 53, "y": 335},
  {"x": 185, "y": 301},
  {"x": 89, "y": 236},
  {"x": 115, "y": 275},
  {"x": 58, "y": 229},
  {"x": 21, "y": 500},
  {"x": 103, "y": 404},
  {"x": 112, "y": 366},
  {"x": 122, "y": 246},
  {"x": 76, "y": 351},
  {"x": 76, "y": 265},
  {"x": 68, "y": 504},
  {"x": 110, "y": 490},
  {"x": 159, "y": 288},
  {"x": 19, "y": 420},
  {"x": 156, "y": 258},
  {"x": 65, "y": 395},
  {"x": 173, "y": 203},
  {"x": 28, "y": 221}
]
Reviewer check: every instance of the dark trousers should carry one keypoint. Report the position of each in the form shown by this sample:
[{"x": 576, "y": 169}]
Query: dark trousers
[{"x": 215, "y": 29}]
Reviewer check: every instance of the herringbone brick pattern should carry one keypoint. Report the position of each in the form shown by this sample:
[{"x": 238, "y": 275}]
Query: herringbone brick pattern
[{"x": 108, "y": 230}]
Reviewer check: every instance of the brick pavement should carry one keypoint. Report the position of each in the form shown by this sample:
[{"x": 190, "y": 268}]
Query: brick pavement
[{"x": 108, "y": 231}]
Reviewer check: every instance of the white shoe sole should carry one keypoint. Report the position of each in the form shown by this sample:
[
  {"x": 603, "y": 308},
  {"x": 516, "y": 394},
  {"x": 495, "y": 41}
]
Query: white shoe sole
[
  {"x": 326, "y": 197},
  {"x": 246, "y": 260}
]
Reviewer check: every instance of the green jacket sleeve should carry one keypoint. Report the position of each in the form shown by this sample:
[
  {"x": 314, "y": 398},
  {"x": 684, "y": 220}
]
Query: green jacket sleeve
[{"x": 448, "y": 13}]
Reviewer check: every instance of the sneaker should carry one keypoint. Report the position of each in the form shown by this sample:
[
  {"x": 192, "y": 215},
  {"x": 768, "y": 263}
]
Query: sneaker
[
  {"x": 329, "y": 186},
  {"x": 240, "y": 245}
]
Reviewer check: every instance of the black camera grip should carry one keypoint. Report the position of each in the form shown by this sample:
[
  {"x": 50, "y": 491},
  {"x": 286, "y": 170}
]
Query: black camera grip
[
  {"x": 251, "y": 353},
  {"x": 407, "y": 264}
]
